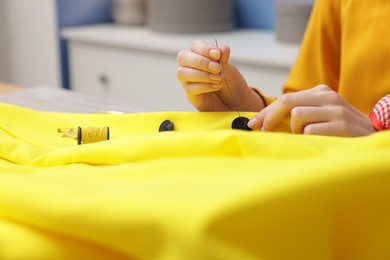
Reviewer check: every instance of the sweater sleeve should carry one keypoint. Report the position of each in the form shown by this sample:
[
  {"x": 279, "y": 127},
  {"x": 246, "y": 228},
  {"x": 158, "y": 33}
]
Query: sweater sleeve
[{"x": 318, "y": 61}]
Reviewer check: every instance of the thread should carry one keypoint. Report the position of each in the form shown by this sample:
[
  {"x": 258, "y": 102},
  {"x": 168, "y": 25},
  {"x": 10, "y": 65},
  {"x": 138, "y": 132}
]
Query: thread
[
  {"x": 243, "y": 124},
  {"x": 89, "y": 134}
]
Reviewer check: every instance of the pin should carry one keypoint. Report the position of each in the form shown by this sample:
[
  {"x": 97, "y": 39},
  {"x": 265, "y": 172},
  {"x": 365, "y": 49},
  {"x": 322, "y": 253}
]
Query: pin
[
  {"x": 240, "y": 122},
  {"x": 68, "y": 132}
]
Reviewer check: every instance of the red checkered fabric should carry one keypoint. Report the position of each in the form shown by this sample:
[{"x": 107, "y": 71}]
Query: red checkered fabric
[{"x": 380, "y": 115}]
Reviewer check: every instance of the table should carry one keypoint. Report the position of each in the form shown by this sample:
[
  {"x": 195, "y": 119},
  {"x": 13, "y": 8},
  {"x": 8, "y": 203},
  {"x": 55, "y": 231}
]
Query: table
[{"x": 6, "y": 87}]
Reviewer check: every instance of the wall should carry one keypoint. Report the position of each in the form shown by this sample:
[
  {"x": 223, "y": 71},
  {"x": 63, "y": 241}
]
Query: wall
[
  {"x": 32, "y": 53},
  {"x": 31, "y": 48},
  {"x": 249, "y": 13},
  {"x": 255, "y": 14},
  {"x": 75, "y": 13},
  {"x": 3, "y": 53}
]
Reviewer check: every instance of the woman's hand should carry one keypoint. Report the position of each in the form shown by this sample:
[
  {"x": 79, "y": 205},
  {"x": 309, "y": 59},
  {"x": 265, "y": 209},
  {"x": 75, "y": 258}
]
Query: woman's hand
[
  {"x": 200, "y": 73},
  {"x": 317, "y": 111}
]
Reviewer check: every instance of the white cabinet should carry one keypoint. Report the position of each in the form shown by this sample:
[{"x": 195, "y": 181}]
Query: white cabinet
[
  {"x": 145, "y": 79},
  {"x": 138, "y": 66}
]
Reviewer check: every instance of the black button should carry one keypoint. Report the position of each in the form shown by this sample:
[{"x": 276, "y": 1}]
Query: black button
[
  {"x": 241, "y": 123},
  {"x": 167, "y": 125}
]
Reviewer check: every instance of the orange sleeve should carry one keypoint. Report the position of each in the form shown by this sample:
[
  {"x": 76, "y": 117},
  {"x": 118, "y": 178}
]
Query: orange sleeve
[{"x": 318, "y": 61}]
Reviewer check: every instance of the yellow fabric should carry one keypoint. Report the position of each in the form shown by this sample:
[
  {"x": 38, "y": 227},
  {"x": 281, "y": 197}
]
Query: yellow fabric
[
  {"x": 203, "y": 191},
  {"x": 346, "y": 47}
]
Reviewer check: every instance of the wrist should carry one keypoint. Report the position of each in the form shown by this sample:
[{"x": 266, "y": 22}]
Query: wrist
[{"x": 259, "y": 101}]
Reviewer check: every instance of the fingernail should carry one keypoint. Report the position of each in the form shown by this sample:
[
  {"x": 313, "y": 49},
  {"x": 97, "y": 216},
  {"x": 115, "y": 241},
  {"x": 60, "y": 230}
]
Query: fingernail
[
  {"x": 214, "y": 66},
  {"x": 215, "y": 54},
  {"x": 252, "y": 122}
]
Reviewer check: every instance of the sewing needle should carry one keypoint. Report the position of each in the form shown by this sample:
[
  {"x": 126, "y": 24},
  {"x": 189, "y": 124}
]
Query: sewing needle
[{"x": 227, "y": 85}]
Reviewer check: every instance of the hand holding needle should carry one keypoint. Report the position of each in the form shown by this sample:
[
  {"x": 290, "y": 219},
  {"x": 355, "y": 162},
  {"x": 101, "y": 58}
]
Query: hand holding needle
[{"x": 240, "y": 122}]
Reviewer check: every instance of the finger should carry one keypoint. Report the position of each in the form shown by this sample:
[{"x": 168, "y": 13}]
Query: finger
[
  {"x": 325, "y": 128},
  {"x": 206, "y": 49},
  {"x": 353, "y": 125},
  {"x": 193, "y": 60},
  {"x": 193, "y": 75},
  {"x": 196, "y": 88},
  {"x": 256, "y": 122},
  {"x": 281, "y": 108},
  {"x": 303, "y": 116}
]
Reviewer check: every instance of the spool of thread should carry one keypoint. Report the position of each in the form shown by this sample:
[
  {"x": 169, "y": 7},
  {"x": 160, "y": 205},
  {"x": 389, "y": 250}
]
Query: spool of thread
[{"x": 88, "y": 135}]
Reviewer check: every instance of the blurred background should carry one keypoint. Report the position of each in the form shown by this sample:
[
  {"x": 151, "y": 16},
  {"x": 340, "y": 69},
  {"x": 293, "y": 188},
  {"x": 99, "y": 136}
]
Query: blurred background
[{"x": 34, "y": 50}]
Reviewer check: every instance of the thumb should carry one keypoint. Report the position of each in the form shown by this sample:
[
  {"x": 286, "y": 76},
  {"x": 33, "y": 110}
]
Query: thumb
[
  {"x": 225, "y": 56},
  {"x": 228, "y": 68},
  {"x": 232, "y": 74}
]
